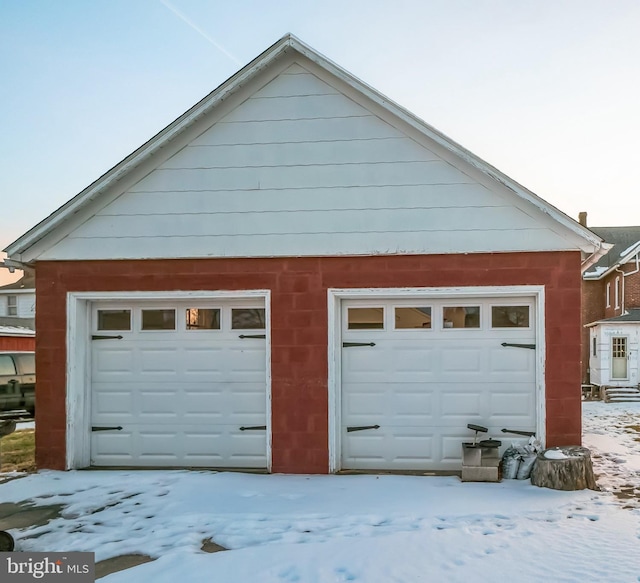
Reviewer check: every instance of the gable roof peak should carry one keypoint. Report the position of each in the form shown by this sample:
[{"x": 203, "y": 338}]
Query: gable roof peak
[{"x": 22, "y": 250}]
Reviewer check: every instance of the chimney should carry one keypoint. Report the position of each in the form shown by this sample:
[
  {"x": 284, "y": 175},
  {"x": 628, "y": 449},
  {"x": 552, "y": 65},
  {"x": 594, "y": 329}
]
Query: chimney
[{"x": 582, "y": 218}]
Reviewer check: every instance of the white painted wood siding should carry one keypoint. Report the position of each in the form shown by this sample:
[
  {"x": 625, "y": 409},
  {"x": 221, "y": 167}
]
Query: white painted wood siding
[
  {"x": 25, "y": 302},
  {"x": 600, "y": 365},
  {"x": 299, "y": 168}
]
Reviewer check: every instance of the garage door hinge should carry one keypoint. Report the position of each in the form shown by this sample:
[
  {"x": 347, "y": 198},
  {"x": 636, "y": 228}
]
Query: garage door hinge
[
  {"x": 362, "y": 428},
  {"x": 105, "y": 337},
  {"x": 252, "y": 336},
  {"x": 118, "y": 428},
  {"x": 352, "y": 344},
  {"x": 253, "y": 428},
  {"x": 532, "y": 346}
]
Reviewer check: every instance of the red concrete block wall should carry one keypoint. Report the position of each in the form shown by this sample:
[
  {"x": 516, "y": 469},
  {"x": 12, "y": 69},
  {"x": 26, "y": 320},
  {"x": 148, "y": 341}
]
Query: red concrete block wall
[
  {"x": 299, "y": 329},
  {"x": 17, "y": 343}
]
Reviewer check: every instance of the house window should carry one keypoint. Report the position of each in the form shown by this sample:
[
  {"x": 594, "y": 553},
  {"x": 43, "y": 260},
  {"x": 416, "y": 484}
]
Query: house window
[
  {"x": 617, "y": 293},
  {"x": 594, "y": 343},
  {"x": 12, "y": 305},
  {"x": 609, "y": 295}
]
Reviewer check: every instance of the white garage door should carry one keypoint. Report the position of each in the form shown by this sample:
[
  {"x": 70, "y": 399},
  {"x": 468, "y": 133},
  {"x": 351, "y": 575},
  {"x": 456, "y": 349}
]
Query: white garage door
[
  {"x": 416, "y": 372},
  {"x": 179, "y": 383}
]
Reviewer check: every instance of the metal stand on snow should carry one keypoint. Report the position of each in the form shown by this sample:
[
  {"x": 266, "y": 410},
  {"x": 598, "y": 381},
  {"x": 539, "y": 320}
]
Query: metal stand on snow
[{"x": 480, "y": 459}]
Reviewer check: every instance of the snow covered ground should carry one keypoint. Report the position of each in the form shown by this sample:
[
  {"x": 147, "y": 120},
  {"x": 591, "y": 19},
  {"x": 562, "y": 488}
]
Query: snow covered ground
[{"x": 373, "y": 529}]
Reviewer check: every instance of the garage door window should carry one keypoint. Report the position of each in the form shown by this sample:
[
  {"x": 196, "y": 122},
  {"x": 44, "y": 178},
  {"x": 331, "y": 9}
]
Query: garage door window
[
  {"x": 461, "y": 317},
  {"x": 158, "y": 319},
  {"x": 365, "y": 318},
  {"x": 248, "y": 319},
  {"x": 509, "y": 316},
  {"x": 203, "y": 319},
  {"x": 114, "y": 319},
  {"x": 413, "y": 318}
]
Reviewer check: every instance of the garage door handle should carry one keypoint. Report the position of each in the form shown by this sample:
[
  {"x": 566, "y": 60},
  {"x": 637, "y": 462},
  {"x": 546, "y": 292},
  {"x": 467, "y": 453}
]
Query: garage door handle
[
  {"x": 532, "y": 346},
  {"x": 104, "y": 337},
  {"x": 253, "y": 428},
  {"x": 118, "y": 428},
  {"x": 252, "y": 336},
  {"x": 352, "y": 344},
  {"x": 362, "y": 428}
]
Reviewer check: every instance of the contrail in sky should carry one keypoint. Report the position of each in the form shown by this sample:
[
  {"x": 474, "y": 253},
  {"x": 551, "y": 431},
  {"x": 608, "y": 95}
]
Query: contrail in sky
[{"x": 195, "y": 27}]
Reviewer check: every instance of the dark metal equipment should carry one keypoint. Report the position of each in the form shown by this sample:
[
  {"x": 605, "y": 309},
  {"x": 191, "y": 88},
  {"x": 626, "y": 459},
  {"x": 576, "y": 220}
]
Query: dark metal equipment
[{"x": 480, "y": 459}]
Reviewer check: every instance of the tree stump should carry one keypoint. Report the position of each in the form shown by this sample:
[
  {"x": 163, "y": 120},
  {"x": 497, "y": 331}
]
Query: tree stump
[{"x": 564, "y": 468}]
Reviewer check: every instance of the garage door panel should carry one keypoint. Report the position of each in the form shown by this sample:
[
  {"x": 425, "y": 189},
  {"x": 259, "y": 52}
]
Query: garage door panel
[
  {"x": 513, "y": 411},
  {"x": 148, "y": 445},
  {"x": 432, "y": 382},
  {"x": 245, "y": 360},
  {"x": 392, "y": 402},
  {"x": 374, "y": 449},
  {"x": 118, "y": 447},
  {"x": 407, "y": 363},
  {"x": 106, "y": 402},
  {"x": 181, "y": 396},
  {"x": 158, "y": 362},
  {"x": 202, "y": 363},
  {"x": 459, "y": 361},
  {"x": 112, "y": 363},
  {"x": 458, "y": 407},
  {"x": 511, "y": 362},
  {"x": 364, "y": 362},
  {"x": 412, "y": 360},
  {"x": 159, "y": 404}
]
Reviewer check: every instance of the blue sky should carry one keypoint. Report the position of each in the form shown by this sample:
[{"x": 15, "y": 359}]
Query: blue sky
[{"x": 545, "y": 90}]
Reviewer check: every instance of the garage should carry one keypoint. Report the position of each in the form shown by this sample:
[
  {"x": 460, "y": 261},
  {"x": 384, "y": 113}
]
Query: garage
[
  {"x": 391, "y": 263},
  {"x": 415, "y": 371},
  {"x": 178, "y": 383}
]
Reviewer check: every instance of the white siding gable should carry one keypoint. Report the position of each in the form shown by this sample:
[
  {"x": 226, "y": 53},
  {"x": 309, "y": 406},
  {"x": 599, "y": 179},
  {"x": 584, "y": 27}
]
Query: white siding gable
[{"x": 303, "y": 168}]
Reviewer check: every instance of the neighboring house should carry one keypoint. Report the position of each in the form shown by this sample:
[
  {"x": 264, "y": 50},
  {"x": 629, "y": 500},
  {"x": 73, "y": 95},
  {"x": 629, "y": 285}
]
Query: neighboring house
[
  {"x": 17, "y": 314},
  {"x": 14, "y": 338},
  {"x": 611, "y": 312},
  {"x": 298, "y": 275}
]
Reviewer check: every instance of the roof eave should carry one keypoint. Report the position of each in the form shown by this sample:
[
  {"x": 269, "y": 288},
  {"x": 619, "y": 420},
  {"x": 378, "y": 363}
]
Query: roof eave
[{"x": 634, "y": 252}]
